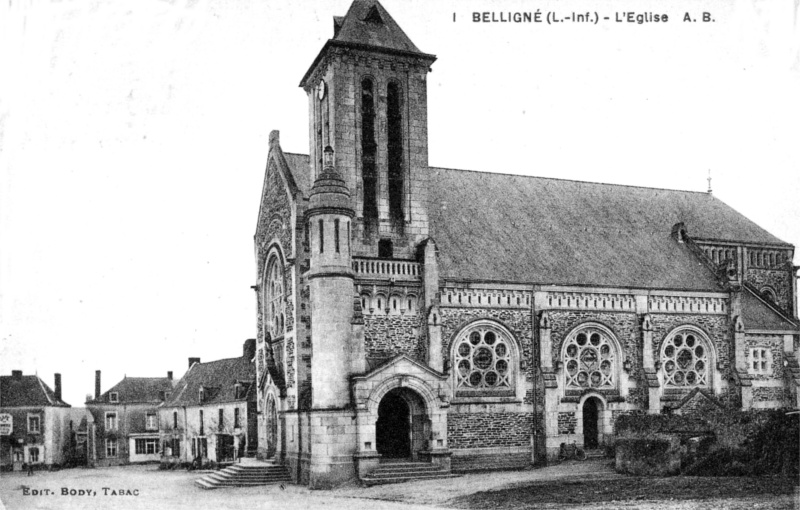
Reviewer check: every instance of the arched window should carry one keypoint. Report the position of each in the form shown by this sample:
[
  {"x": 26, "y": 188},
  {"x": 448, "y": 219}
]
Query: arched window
[
  {"x": 274, "y": 301},
  {"x": 590, "y": 359},
  {"x": 394, "y": 149},
  {"x": 685, "y": 359},
  {"x": 369, "y": 151},
  {"x": 485, "y": 361},
  {"x": 769, "y": 295}
]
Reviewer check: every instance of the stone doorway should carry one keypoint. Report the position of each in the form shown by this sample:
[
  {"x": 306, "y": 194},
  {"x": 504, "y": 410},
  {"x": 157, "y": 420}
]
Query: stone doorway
[
  {"x": 591, "y": 422},
  {"x": 401, "y": 425}
]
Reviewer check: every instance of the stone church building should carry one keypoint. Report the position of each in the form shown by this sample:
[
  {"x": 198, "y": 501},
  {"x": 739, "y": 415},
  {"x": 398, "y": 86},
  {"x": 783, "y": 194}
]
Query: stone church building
[{"x": 476, "y": 320}]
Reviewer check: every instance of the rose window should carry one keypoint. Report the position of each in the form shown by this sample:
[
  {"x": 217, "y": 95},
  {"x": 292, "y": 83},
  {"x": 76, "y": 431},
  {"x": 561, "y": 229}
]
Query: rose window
[
  {"x": 483, "y": 362},
  {"x": 589, "y": 360},
  {"x": 685, "y": 360}
]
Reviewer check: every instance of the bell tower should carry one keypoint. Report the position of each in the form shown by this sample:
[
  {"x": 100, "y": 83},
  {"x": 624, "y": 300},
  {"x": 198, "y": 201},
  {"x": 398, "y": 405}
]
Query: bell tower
[{"x": 367, "y": 93}]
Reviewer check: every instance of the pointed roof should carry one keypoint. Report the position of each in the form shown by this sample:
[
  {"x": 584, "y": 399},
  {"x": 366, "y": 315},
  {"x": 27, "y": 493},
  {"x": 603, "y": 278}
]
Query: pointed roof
[
  {"x": 369, "y": 26},
  {"x": 218, "y": 379},
  {"x": 27, "y": 390},
  {"x": 138, "y": 390}
]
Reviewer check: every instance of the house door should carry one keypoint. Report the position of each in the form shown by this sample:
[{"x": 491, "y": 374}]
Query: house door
[
  {"x": 393, "y": 428},
  {"x": 591, "y": 422}
]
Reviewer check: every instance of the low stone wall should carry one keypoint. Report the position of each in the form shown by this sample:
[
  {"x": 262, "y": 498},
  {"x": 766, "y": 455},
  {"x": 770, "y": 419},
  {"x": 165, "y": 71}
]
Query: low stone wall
[
  {"x": 490, "y": 459},
  {"x": 648, "y": 456}
]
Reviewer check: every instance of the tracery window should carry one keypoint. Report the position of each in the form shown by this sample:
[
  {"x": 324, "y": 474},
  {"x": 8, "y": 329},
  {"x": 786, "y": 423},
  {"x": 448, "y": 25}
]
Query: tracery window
[
  {"x": 275, "y": 316},
  {"x": 685, "y": 360},
  {"x": 590, "y": 359},
  {"x": 485, "y": 361}
]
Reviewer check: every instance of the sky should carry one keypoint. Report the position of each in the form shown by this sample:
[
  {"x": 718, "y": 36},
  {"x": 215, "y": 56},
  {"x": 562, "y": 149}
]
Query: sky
[{"x": 134, "y": 137}]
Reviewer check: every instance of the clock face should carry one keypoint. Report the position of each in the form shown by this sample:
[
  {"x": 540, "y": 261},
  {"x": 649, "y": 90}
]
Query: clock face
[{"x": 321, "y": 89}]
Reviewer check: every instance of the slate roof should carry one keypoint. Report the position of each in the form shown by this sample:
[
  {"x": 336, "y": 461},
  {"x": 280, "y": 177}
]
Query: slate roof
[
  {"x": 511, "y": 228},
  {"x": 139, "y": 389},
  {"x": 368, "y": 25},
  {"x": 299, "y": 164},
  {"x": 27, "y": 390},
  {"x": 756, "y": 314},
  {"x": 218, "y": 378}
]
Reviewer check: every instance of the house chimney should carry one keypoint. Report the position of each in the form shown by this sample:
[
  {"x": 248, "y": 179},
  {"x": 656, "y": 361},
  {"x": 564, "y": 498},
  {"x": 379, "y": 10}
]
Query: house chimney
[
  {"x": 249, "y": 349},
  {"x": 169, "y": 375},
  {"x": 57, "y": 389},
  {"x": 16, "y": 374},
  {"x": 192, "y": 361},
  {"x": 97, "y": 385}
]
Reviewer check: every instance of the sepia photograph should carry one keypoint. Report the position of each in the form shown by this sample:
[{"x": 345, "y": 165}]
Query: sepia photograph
[{"x": 399, "y": 254}]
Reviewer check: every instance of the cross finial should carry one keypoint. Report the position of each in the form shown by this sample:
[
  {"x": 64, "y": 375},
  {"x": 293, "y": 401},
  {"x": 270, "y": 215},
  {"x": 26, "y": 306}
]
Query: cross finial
[{"x": 709, "y": 181}]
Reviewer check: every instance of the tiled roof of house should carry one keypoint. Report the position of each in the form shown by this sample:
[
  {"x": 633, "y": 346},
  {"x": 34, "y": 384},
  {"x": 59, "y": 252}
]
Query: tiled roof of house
[
  {"x": 27, "y": 390},
  {"x": 499, "y": 227},
  {"x": 218, "y": 378},
  {"x": 299, "y": 166},
  {"x": 139, "y": 389},
  {"x": 756, "y": 314}
]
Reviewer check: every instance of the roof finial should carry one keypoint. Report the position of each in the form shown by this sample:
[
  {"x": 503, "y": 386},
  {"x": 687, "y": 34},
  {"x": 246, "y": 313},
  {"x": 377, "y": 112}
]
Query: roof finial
[{"x": 709, "y": 181}]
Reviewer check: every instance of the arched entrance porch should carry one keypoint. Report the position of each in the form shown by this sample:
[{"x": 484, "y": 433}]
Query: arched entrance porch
[
  {"x": 402, "y": 426},
  {"x": 592, "y": 421}
]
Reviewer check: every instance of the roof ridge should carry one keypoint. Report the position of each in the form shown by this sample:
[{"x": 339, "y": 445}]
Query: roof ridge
[{"x": 567, "y": 180}]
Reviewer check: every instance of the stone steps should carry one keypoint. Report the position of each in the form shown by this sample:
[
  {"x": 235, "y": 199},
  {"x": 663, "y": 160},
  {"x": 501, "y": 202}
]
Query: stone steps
[
  {"x": 247, "y": 474},
  {"x": 398, "y": 472}
]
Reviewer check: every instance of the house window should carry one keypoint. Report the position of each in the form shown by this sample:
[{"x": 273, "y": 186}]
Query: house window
[
  {"x": 33, "y": 454},
  {"x": 760, "y": 361},
  {"x": 590, "y": 359},
  {"x": 111, "y": 421},
  {"x": 152, "y": 421},
  {"x": 274, "y": 299},
  {"x": 175, "y": 419},
  {"x": 113, "y": 397},
  {"x": 176, "y": 447},
  {"x": 485, "y": 359},
  {"x": 18, "y": 456},
  {"x": 34, "y": 424},
  {"x": 111, "y": 448},
  {"x": 236, "y": 418},
  {"x": 147, "y": 446},
  {"x": 221, "y": 421},
  {"x": 685, "y": 360},
  {"x": 201, "y": 423}
]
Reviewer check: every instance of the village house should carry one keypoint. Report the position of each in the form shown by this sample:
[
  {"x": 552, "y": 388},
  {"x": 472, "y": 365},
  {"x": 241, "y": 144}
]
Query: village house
[
  {"x": 211, "y": 415},
  {"x": 471, "y": 320},
  {"x": 44, "y": 431},
  {"x": 126, "y": 419}
]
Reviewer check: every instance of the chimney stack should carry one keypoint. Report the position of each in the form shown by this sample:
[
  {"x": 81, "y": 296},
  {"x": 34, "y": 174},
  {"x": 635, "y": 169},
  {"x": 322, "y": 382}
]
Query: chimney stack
[
  {"x": 169, "y": 375},
  {"x": 97, "y": 385},
  {"x": 57, "y": 388},
  {"x": 249, "y": 349},
  {"x": 192, "y": 361},
  {"x": 16, "y": 374}
]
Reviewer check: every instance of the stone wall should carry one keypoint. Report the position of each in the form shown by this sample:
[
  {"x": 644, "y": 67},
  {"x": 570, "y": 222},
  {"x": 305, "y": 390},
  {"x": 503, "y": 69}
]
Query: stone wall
[
  {"x": 493, "y": 429},
  {"x": 386, "y": 336},
  {"x": 779, "y": 280}
]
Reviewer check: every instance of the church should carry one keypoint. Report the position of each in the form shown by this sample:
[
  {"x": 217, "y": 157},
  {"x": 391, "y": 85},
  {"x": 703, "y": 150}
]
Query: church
[{"x": 466, "y": 320}]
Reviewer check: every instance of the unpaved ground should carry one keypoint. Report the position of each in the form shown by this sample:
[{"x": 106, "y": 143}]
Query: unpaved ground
[{"x": 553, "y": 487}]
